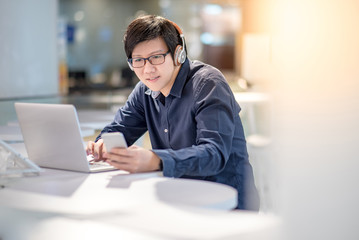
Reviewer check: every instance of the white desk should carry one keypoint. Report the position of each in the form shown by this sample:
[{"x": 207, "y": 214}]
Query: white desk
[
  {"x": 79, "y": 193},
  {"x": 115, "y": 205}
]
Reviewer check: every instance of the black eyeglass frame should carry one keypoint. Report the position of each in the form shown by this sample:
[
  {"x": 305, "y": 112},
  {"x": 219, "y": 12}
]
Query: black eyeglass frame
[{"x": 130, "y": 60}]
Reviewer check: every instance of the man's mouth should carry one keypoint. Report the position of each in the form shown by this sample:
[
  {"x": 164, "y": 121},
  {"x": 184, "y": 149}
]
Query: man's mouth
[{"x": 152, "y": 79}]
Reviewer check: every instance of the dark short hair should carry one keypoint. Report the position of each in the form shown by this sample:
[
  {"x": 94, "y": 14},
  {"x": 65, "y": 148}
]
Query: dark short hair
[{"x": 149, "y": 27}]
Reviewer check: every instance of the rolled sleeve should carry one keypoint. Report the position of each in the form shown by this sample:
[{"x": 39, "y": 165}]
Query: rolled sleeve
[{"x": 168, "y": 163}]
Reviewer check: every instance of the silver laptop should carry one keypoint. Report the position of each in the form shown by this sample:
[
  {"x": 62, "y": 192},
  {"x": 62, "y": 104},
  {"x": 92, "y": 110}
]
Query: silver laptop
[{"x": 52, "y": 137}]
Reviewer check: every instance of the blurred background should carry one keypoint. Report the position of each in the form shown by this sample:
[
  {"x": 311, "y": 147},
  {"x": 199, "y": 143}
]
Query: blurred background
[
  {"x": 292, "y": 64},
  {"x": 94, "y": 49}
]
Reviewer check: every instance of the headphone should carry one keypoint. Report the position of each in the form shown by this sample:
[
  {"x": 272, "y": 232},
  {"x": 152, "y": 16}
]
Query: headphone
[
  {"x": 180, "y": 52},
  {"x": 180, "y": 55}
]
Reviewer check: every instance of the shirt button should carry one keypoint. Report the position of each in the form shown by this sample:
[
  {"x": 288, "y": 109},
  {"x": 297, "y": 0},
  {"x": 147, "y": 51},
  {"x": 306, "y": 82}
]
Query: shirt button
[{"x": 166, "y": 130}]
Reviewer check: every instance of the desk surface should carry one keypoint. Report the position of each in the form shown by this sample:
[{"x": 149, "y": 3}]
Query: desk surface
[
  {"x": 147, "y": 222},
  {"x": 80, "y": 193},
  {"x": 115, "y": 205}
]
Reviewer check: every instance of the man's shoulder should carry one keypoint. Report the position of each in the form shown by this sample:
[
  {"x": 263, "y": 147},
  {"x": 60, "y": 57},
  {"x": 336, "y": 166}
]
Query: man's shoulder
[
  {"x": 139, "y": 92},
  {"x": 140, "y": 88},
  {"x": 202, "y": 73},
  {"x": 203, "y": 70}
]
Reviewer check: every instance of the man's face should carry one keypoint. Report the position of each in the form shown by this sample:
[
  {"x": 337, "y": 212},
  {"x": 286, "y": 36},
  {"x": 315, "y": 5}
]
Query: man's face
[{"x": 156, "y": 77}]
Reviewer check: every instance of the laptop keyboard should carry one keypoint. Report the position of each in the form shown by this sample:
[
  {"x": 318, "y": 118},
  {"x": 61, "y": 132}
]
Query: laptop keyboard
[
  {"x": 99, "y": 164},
  {"x": 94, "y": 164}
]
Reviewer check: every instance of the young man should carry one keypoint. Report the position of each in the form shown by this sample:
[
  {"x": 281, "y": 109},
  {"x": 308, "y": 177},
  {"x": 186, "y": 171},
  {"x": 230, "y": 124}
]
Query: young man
[{"x": 188, "y": 109}]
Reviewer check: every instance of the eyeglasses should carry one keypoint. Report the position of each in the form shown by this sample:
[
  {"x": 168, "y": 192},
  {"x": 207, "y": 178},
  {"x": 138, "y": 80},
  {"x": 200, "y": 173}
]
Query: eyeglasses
[{"x": 154, "y": 60}]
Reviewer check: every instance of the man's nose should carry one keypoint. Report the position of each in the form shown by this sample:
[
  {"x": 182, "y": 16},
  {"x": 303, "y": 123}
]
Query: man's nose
[{"x": 148, "y": 67}]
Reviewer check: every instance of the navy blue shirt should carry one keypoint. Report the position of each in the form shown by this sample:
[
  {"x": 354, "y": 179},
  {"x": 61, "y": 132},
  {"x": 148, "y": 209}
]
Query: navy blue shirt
[{"x": 196, "y": 130}]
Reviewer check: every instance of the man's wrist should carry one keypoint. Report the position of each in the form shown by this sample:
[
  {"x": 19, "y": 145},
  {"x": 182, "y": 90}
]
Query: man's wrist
[{"x": 157, "y": 160}]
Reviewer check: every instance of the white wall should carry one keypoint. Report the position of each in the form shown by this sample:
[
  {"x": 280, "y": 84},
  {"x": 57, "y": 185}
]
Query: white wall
[
  {"x": 28, "y": 55},
  {"x": 315, "y": 89}
]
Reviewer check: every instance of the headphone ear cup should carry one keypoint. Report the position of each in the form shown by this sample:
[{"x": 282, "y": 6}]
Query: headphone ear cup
[
  {"x": 175, "y": 57},
  {"x": 179, "y": 56}
]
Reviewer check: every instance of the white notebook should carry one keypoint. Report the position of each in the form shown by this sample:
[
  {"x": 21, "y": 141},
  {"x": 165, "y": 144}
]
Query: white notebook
[{"x": 52, "y": 137}]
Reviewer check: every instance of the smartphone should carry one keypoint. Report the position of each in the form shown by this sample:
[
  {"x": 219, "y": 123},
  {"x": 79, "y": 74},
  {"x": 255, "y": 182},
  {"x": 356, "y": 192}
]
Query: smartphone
[{"x": 114, "y": 139}]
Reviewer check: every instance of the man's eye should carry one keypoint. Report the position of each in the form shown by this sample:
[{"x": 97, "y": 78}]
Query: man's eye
[
  {"x": 137, "y": 60},
  {"x": 156, "y": 56}
]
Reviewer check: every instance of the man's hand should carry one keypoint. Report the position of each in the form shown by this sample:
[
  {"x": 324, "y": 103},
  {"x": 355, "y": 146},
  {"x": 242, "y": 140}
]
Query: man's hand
[
  {"x": 133, "y": 159},
  {"x": 97, "y": 149}
]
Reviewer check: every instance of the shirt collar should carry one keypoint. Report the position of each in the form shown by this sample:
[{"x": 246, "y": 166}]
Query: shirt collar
[
  {"x": 181, "y": 79},
  {"x": 153, "y": 94}
]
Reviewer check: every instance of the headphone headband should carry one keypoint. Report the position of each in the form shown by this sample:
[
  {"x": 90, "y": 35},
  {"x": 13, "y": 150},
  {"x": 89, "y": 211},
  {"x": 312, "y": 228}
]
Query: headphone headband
[{"x": 177, "y": 27}]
